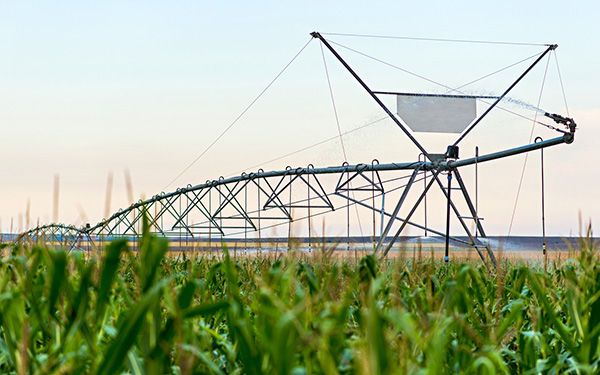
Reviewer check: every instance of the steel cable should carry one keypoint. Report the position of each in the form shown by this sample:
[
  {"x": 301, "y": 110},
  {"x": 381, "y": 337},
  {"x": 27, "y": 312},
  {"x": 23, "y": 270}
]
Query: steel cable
[
  {"x": 437, "y": 39},
  {"x": 527, "y": 154},
  {"x": 238, "y": 117},
  {"x": 311, "y": 146},
  {"x": 337, "y": 121},
  {"x": 435, "y": 82},
  {"x": 562, "y": 87}
]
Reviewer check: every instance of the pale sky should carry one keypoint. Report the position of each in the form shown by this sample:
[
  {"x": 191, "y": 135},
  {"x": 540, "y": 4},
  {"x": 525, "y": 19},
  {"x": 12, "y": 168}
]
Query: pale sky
[{"x": 92, "y": 88}]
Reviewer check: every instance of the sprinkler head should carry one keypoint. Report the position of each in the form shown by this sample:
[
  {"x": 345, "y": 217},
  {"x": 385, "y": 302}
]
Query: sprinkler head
[{"x": 568, "y": 122}]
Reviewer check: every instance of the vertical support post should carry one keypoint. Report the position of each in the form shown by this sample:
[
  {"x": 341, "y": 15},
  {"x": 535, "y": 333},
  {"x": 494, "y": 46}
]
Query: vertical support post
[
  {"x": 221, "y": 217},
  {"x": 382, "y": 214},
  {"x": 348, "y": 218},
  {"x": 544, "y": 218},
  {"x": 425, "y": 198},
  {"x": 187, "y": 237},
  {"x": 259, "y": 210},
  {"x": 290, "y": 222},
  {"x": 446, "y": 257},
  {"x": 180, "y": 239},
  {"x": 210, "y": 221},
  {"x": 373, "y": 203},
  {"x": 246, "y": 221},
  {"x": 309, "y": 217},
  {"x": 537, "y": 139},
  {"x": 193, "y": 240},
  {"x": 476, "y": 190}
]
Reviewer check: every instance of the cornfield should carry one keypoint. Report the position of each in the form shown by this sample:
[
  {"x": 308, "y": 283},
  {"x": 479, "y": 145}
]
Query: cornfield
[{"x": 144, "y": 312}]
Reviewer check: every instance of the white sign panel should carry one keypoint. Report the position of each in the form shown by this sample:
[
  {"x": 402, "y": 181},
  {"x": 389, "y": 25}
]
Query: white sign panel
[{"x": 437, "y": 114}]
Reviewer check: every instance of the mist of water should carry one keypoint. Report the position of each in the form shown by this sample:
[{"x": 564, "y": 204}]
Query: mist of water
[
  {"x": 523, "y": 104},
  {"x": 508, "y": 99},
  {"x": 419, "y": 100}
]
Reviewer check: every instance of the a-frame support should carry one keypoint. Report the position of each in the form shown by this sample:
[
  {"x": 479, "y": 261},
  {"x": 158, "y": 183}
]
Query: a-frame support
[
  {"x": 474, "y": 242},
  {"x": 438, "y": 165}
]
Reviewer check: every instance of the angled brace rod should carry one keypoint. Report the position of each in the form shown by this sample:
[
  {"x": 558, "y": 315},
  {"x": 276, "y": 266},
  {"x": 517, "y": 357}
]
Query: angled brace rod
[
  {"x": 121, "y": 219},
  {"x": 125, "y": 220},
  {"x": 463, "y": 135},
  {"x": 321, "y": 195},
  {"x": 194, "y": 203},
  {"x": 396, "y": 210},
  {"x": 231, "y": 199},
  {"x": 275, "y": 191},
  {"x": 277, "y": 202},
  {"x": 324, "y": 196},
  {"x": 130, "y": 223},
  {"x": 461, "y": 220},
  {"x": 75, "y": 239},
  {"x": 52, "y": 234},
  {"x": 203, "y": 210},
  {"x": 461, "y": 183},
  {"x": 371, "y": 93},
  {"x": 103, "y": 225},
  {"x": 71, "y": 240},
  {"x": 117, "y": 219},
  {"x": 455, "y": 209},
  {"x": 57, "y": 234},
  {"x": 463, "y": 188},
  {"x": 345, "y": 186},
  {"x": 412, "y": 211},
  {"x": 152, "y": 222},
  {"x": 401, "y": 219},
  {"x": 152, "y": 219},
  {"x": 173, "y": 211}
]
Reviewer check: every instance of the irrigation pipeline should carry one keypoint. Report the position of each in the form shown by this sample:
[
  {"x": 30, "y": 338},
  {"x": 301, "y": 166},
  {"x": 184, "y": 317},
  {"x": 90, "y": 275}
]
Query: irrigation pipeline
[
  {"x": 427, "y": 166},
  {"x": 232, "y": 186},
  {"x": 173, "y": 211}
]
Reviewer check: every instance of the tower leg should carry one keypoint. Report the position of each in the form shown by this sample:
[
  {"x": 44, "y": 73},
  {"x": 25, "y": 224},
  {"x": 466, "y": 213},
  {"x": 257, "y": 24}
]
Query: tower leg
[
  {"x": 446, "y": 255},
  {"x": 412, "y": 211},
  {"x": 472, "y": 240},
  {"x": 474, "y": 214},
  {"x": 396, "y": 210}
]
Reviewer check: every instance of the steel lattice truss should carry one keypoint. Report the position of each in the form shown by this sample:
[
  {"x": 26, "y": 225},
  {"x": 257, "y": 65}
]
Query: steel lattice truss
[
  {"x": 67, "y": 236},
  {"x": 256, "y": 202}
]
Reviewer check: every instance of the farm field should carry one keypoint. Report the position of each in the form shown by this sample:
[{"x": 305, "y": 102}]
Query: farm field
[
  {"x": 155, "y": 312},
  {"x": 460, "y": 255},
  {"x": 367, "y": 188}
]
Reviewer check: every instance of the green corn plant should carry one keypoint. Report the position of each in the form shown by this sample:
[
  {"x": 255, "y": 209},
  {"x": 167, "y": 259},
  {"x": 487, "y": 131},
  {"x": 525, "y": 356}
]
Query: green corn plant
[{"x": 152, "y": 312}]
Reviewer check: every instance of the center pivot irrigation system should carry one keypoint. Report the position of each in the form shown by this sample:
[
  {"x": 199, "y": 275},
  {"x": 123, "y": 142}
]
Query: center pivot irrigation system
[{"x": 246, "y": 207}]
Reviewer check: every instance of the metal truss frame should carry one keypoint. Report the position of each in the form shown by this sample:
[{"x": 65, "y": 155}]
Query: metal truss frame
[
  {"x": 67, "y": 236},
  {"x": 242, "y": 204},
  {"x": 172, "y": 214}
]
